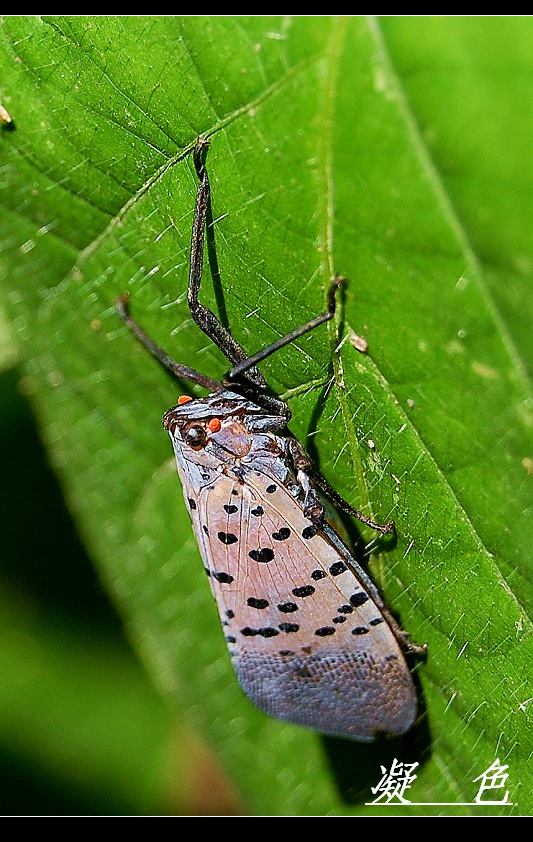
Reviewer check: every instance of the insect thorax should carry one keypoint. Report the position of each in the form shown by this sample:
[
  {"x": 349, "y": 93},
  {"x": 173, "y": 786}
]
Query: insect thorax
[{"x": 226, "y": 433}]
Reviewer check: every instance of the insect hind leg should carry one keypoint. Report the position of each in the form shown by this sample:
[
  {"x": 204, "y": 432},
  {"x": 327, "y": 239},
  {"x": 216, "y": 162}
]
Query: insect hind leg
[{"x": 309, "y": 477}]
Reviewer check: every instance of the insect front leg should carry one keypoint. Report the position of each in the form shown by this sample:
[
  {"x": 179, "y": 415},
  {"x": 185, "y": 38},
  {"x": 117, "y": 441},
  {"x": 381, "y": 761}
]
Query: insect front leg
[
  {"x": 202, "y": 315},
  {"x": 311, "y": 478},
  {"x": 177, "y": 369},
  {"x": 312, "y": 506},
  {"x": 331, "y": 494}
]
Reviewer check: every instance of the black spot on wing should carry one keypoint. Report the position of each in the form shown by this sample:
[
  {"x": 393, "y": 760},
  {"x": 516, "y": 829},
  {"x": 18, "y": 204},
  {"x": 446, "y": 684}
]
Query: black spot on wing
[
  {"x": 305, "y": 590},
  {"x": 262, "y": 555},
  {"x": 282, "y": 535},
  {"x": 325, "y": 631},
  {"x": 254, "y": 602},
  {"x": 230, "y": 508},
  {"x": 287, "y": 607},
  {"x": 289, "y": 627},
  {"x": 223, "y": 578},
  {"x": 264, "y": 632},
  {"x": 227, "y": 537},
  {"x": 337, "y": 568},
  {"x": 309, "y": 531}
]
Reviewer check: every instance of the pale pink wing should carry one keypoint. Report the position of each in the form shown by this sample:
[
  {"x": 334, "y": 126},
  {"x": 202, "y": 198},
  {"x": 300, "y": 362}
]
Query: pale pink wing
[{"x": 308, "y": 643}]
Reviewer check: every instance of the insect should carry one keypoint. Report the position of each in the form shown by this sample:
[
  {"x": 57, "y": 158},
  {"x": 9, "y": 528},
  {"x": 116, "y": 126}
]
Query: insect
[{"x": 310, "y": 637}]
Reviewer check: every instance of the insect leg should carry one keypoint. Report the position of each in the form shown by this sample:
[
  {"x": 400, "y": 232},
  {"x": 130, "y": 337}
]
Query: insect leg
[
  {"x": 244, "y": 373},
  {"x": 269, "y": 402},
  {"x": 401, "y": 636},
  {"x": 308, "y": 477},
  {"x": 249, "y": 362},
  {"x": 331, "y": 494},
  {"x": 177, "y": 369},
  {"x": 202, "y": 315},
  {"x": 312, "y": 505}
]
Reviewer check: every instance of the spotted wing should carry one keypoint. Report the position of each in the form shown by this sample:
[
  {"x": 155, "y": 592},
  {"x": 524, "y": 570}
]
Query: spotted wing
[{"x": 308, "y": 643}]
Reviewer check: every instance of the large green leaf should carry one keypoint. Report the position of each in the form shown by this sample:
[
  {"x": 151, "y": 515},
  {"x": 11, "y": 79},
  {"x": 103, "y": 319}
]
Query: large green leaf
[{"x": 371, "y": 148}]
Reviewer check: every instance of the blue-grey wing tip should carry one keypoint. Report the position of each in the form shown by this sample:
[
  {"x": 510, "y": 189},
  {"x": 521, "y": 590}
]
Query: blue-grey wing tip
[{"x": 338, "y": 694}]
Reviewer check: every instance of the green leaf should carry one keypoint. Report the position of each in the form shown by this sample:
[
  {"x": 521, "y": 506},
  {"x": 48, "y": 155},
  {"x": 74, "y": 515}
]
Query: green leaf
[{"x": 382, "y": 150}]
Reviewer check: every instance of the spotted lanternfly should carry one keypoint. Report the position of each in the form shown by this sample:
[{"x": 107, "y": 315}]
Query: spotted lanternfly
[{"x": 309, "y": 635}]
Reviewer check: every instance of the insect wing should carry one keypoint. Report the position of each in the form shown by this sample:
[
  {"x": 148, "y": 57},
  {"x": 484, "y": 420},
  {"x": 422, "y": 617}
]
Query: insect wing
[{"x": 308, "y": 643}]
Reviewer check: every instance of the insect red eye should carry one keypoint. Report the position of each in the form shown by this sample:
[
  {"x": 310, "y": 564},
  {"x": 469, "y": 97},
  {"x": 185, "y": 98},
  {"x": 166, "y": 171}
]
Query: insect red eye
[
  {"x": 214, "y": 425},
  {"x": 196, "y": 437}
]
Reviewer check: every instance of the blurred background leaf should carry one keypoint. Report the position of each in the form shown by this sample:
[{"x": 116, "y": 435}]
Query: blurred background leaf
[{"x": 395, "y": 151}]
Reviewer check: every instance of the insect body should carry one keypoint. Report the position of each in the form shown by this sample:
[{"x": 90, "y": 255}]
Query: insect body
[{"x": 310, "y": 637}]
